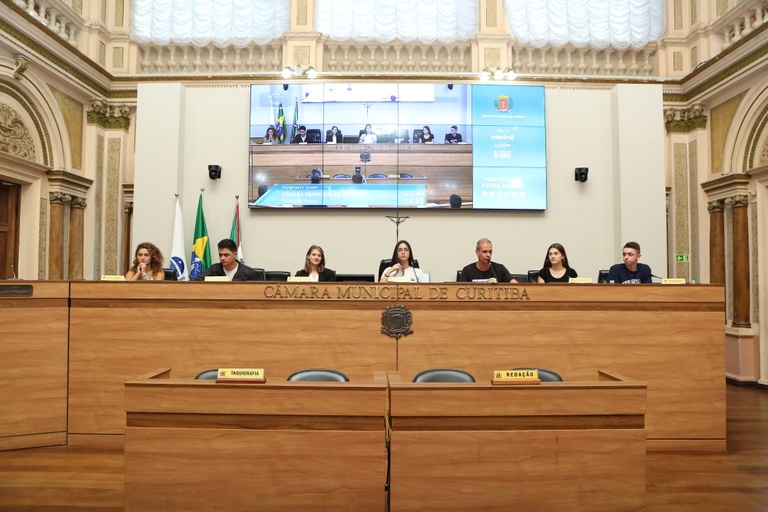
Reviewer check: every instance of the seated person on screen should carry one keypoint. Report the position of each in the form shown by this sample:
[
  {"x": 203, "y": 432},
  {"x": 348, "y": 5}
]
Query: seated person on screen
[
  {"x": 228, "y": 265},
  {"x": 314, "y": 266},
  {"x": 301, "y": 137},
  {"x": 556, "y": 268},
  {"x": 402, "y": 264},
  {"x": 630, "y": 272},
  {"x": 334, "y": 136},
  {"x": 368, "y": 137},
  {"x": 454, "y": 137},
  {"x": 147, "y": 264},
  {"x": 426, "y": 135},
  {"x": 316, "y": 175},
  {"x": 271, "y": 136},
  {"x": 484, "y": 268}
]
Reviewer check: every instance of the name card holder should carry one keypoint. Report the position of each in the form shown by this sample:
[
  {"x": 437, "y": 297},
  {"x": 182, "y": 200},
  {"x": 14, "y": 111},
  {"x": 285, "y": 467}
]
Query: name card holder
[
  {"x": 298, "y": 279},
  {"x": 251, "y": 375},
  {"x": 216, "y": 278},
  {"x": 112, "y": 278},
  {"x": 515, "y": 377},
  {"x": 400, "y": 279},
  {"x": 673, "y": 280},
  {"x": 580, "y": 280}
]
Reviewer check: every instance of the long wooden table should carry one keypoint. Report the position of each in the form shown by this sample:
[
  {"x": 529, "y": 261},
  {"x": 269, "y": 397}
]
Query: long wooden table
[
  {"x": 279, "y": 446},
  {"x": 670, "y": 337},
  {"x": 483, "y": 447},
  {"x": 446, "y": 168},
  {"x": 33, "y": 363}
]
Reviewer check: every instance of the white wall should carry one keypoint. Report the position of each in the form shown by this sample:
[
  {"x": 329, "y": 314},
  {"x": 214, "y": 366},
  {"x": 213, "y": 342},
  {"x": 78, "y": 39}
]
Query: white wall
[{"x": 617, "y": 133}]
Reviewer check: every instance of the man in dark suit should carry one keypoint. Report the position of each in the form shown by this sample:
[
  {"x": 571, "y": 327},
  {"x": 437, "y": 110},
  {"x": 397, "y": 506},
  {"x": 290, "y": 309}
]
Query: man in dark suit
[
  {"x": 228, "y": 265},
  {"x": 301, "y": 136}
]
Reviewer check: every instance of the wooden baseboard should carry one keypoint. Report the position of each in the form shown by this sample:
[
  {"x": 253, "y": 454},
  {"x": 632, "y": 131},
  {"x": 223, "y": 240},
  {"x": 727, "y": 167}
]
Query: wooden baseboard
[{"x": 33, "y": 441}]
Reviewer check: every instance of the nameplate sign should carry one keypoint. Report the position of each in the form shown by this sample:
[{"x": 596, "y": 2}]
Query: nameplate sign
[
  {"x": 516, "y": 377},
  {"x": 112, "y": 278},
  {"x": 216, "y": 278},
  {"x": 400, "y": 279},
  {"x": 580, "y": 280},
  {"x": 409, "y": 291},
  {"x": 16, "y": 290},
  {"x": 298, "y": 279},
  {"x": 255, "y": 375},
  {"x": 673, "y": 280}
]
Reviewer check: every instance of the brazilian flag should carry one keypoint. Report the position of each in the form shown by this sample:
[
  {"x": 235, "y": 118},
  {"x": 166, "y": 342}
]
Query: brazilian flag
[
  {"x": 201, "y": 249},
  {"x": 280, "y": 123}
]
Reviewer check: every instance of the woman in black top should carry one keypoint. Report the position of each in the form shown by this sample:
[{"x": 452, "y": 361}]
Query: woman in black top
[
  {"x": 556, "y": 268},
  {"x": 426, "y": 135},
  {"x": 314, "y": 266}
]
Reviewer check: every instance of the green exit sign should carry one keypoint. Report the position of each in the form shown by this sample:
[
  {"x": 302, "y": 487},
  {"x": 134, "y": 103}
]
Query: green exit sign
[{"x": 681, "y": 258}]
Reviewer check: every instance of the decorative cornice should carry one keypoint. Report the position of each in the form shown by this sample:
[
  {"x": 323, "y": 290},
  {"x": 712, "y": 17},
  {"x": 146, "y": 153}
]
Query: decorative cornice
[
  {"x": 108, "y": 115},
  {"x": 61, "y": 180},
  {"x": 725, "y": 186},
  {"x": 684, "y": 120}
]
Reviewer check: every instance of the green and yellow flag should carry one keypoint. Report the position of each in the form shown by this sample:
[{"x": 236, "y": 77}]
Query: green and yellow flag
[{"x": 201, "y": 249}]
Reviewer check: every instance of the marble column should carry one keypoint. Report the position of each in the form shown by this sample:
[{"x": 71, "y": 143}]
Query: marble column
[
  {"x": 716, "y": 241},
  {"x": 59, "y": 202},
  {"x": 76, "y": 237},
  {"x": 741, "y": 279}
]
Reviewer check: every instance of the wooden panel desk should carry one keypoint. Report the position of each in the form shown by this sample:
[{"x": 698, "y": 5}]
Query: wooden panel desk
[
  {"x": 280, "y": 446},
  {"x": 33, "y": 363},
  {"x": 554, "y": 446},
  {"x": 447, "y": 167},
  {"x": 122, "y": 329},
  {"x": 671, "y": 337}
]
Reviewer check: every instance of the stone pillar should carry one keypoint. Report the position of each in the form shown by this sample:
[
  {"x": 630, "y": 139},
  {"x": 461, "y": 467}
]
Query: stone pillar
[
  {"x": 76, "y": 236},
  {"x": 716, "y": 241},
  {"x": 741, "y": 279},
  {"x": 57, "y": 236}
]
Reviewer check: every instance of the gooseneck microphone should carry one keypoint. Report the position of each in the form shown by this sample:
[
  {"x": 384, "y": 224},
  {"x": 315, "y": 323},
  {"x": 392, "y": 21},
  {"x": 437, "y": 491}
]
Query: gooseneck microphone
[
  {"x": 657, "y": 277},
  {"x": 13, "y": 272},
  {"x": 494, "y": 272}
]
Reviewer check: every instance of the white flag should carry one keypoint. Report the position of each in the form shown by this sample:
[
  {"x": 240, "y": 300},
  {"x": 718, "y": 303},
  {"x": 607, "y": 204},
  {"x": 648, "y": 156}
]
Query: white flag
[{"x": 178, "y": 262}]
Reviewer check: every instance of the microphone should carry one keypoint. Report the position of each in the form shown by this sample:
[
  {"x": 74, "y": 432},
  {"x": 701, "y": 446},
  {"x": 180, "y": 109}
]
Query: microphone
[
  {"x": 657, "y": 277},
  {"x": 495, "y": 277},
  {"x": 13, "y": 272}
]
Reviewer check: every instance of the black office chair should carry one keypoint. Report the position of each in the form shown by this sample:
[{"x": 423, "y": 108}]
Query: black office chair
[
  {"x": 521, "y": 278},
  {"x": 405, "y": 175},
  {"x": 356, "y": 278},
  {"x": 388, "y": 263},
  {"x": 602, "y": 276},
  {"x": 276, "y": 275},
  {"x": 417, "y": 133},
  {"x": 458, "y": 275},
  {"x": 260, "y": 274},
  {"x": 170, "y": 274},
  {"x": 328, "y": 136},
  {"x": 208, "y": 375},
  {"x": 444, "y": 375},
  {"x": 319, "y": 375},
  {"x": 377, "y": 176},
  {"x": 545, "y": 375},
  {"x": 313, "y": 135},
  {"x": 340, "y": 176},
  {"x": 533, "y": 276}
]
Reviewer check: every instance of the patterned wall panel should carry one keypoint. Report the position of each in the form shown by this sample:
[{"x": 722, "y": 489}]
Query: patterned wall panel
[
  {"x": 72, "y": 111},
  {"x": 98, "y": 184},
  {"x": 721, "y": 118},
  {"x": 682, "y": 211},
  {"x": 42, "y": 239},
  {"x": 693, "y": 203},
  {"x": 112, "y": 208},
  {"x": 753, "y": 263}
]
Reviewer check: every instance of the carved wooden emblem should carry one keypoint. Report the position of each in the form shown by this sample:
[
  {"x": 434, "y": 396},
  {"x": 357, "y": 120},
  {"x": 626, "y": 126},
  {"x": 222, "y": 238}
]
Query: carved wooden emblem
[{"x": 396, "y": 321}]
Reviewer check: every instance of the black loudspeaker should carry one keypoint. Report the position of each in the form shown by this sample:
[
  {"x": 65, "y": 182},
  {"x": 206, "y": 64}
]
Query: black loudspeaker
[
  {"x": 581, "y": 174},
  {"x": 450, "y": 87},
  {"x": 455, "y": 201},
  {"x": 214, "y": 171}
]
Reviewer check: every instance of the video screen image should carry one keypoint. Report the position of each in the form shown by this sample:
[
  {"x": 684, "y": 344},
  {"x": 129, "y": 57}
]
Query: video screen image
[{"x": 406, "y": 145}]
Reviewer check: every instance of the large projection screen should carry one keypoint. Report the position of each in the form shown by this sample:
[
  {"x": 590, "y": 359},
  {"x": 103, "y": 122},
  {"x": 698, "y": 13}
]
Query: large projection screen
[{"x": 367, "y": 145}]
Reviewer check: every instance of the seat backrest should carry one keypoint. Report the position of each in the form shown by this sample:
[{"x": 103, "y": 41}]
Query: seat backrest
[
  {"x": 458, "y": 275},
  {"x": 602, "y": 276},
  {"x": 388, "y": 263},
  {"x": 533, "y": 276},
  {"x": 444, "y": 375},
  {"x": 340, "y": 176},
  {"x": 276, "y": 275},
  {"x": 520, "y": 278},
  {"x": 377, "y": 175},
  {"x": 260, "y": 274},
  {"x": 170, "y": 274},
  {"x": 319, "y": 375},
  {"x": 417, "y": 132},
  {"x": 208, "y": 375},
  {"x": 313, "y": 135},
  {"x": 356, "y": 278},
  {"x": 545, "y": 375}
]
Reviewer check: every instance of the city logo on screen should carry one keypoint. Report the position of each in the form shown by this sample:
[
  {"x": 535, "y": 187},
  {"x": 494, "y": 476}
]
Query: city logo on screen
[{"x": 502, "y": 103}]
